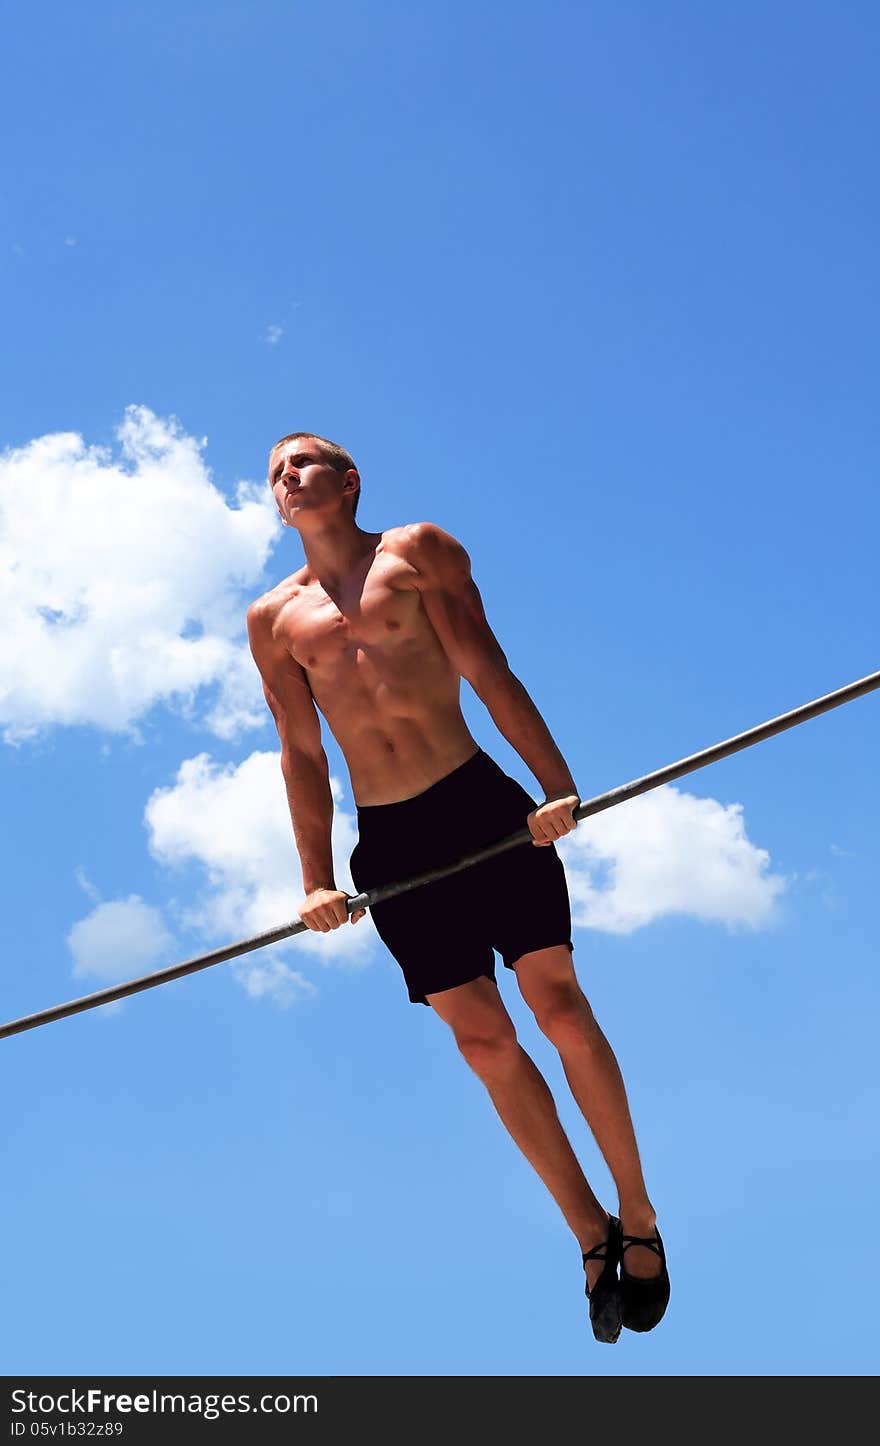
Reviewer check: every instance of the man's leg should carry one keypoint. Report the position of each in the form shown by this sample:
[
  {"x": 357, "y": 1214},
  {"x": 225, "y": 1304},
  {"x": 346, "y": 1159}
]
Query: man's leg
[
  {"x": 486, "y": 1037},
  {"x": 549, "y": 986}
]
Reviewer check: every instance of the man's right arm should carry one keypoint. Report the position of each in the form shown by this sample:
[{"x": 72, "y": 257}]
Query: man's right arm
[{"x": 304, "y": 767}]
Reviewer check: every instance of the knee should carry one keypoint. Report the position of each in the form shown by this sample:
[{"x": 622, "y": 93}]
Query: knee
[
  {"x": 488, "y": 1050},
  {"x": 564, "y": 1015}
]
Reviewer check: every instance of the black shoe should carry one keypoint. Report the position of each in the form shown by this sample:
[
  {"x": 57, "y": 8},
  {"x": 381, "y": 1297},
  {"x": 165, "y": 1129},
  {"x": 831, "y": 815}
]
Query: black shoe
[
  {"x": 604, "y": 1298},
  {"x": 643, "y": 1299}
]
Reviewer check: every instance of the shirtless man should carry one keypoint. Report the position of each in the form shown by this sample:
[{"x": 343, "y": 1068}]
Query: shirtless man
[{"x": 376, "y": 631}]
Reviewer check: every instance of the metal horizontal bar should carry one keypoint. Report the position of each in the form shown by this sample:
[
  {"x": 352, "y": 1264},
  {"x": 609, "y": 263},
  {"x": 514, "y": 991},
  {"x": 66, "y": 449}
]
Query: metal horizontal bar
[{"x": 602, "y": 801}]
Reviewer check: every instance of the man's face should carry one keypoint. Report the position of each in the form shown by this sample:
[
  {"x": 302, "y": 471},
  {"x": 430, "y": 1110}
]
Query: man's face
[{"x": 302, "y": 481}]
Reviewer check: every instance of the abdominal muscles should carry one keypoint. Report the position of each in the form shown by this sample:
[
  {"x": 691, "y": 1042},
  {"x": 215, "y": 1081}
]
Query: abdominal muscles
[
  {"x": 381, "y": 679},
  {"x": 397, "y": 720}
]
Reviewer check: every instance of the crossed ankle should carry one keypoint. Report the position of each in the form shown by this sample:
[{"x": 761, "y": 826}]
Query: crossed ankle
[
  {"x": 595, "y": 1235},
  {"x": 638, "y": 1219}
]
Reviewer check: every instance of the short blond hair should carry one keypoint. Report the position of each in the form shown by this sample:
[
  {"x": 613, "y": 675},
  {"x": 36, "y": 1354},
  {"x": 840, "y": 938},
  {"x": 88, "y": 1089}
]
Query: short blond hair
[{"x": 334, "y": 455}]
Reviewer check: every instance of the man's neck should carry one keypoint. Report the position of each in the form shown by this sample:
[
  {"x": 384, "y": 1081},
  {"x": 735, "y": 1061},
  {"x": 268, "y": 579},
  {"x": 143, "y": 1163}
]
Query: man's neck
[{"x": 334, "y": 550}]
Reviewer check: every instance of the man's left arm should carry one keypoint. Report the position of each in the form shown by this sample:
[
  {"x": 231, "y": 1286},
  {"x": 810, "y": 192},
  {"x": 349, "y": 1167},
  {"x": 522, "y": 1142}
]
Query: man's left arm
[{"x": 454, "y": 607}]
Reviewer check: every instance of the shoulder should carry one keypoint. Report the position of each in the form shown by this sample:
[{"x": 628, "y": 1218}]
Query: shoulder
[
  {"x": 264, "y": 610},
  {"x": 428, "y": 548}
]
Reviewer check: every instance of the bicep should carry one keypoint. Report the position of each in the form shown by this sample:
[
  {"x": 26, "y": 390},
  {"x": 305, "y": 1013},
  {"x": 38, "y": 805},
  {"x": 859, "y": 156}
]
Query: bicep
[
  {"x": 285, "y": 687},
  {"x": 454, "y": 606}
]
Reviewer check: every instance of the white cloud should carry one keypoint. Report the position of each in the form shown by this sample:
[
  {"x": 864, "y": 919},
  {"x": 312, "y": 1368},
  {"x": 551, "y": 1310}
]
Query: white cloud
[
  {"x": 667, "y": 853},
  {"x": 70, "y": 240},
  {"x": 119, "y": 940},
  {"x": 232, "y": 821},
  {"x": 274, "y": 335},
  {"x": 124, "y": 583},
  {"x": 272, "y": 978},
  {"x": 86, "y": 884},
  {"x": 663, "y": 854}
]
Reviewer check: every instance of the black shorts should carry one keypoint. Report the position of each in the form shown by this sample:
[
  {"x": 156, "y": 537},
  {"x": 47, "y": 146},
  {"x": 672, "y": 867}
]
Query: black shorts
[{"x": 444, "y": 933}]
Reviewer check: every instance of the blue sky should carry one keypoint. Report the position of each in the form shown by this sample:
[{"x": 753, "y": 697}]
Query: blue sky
[{"x": 594, "y": 288}]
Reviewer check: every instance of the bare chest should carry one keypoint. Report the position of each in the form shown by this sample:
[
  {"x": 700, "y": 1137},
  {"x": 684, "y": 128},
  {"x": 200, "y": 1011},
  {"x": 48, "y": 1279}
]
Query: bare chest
[{"x": 373, "y": 613}]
